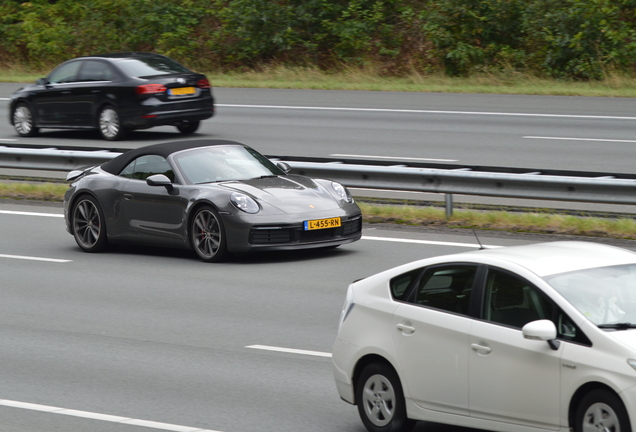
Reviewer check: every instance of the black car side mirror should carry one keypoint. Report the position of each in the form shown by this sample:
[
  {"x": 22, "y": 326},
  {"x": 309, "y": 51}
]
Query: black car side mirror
[
  {"x": 159, "y": 180},
  {"x": 42, "y": 81}
]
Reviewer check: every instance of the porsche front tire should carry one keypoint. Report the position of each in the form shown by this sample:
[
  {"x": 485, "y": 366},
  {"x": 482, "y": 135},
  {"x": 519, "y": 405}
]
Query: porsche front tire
[{"x": 207, "y": 235}]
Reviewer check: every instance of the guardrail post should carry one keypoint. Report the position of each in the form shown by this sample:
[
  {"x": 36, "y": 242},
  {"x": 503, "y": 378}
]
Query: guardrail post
[{"x": 449, "y": 205}]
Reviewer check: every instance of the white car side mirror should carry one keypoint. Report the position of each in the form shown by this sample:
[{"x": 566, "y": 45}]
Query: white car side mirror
[{"x": 541, "y": 330}]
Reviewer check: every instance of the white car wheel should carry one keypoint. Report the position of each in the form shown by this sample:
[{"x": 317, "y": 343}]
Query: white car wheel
[
  {"x": 601, "y": 410},
  {"x": 380, "y": 400}
]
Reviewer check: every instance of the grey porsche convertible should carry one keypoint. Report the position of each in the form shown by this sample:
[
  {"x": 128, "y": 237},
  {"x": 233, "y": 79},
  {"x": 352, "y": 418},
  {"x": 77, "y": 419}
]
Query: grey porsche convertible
[{"x": 215, "y": 197}]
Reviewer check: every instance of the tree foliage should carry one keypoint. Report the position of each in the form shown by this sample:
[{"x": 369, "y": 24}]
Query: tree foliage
[{"x": 572, "y": 39}]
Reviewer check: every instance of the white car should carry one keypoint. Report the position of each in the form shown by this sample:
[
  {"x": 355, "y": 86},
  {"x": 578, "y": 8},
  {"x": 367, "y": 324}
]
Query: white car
[{"x": 524, "y": 338}]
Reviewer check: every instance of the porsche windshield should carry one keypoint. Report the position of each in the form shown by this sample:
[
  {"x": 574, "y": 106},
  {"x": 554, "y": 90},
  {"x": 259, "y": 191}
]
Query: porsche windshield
[
  {"x": 605, "y": 295},
  {"x": 224, "y": 163}
]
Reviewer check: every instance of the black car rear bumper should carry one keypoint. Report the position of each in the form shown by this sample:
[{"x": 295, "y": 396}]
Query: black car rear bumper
[{"x": 150, "y": 115}]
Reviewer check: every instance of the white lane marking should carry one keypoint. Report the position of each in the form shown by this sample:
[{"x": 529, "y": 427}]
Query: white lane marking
[
  {"x": 428, "y": 111},
  {"x": 393, "y": 157},
  {"x": 102, "y": 417},
  {"x": 580, "y": 139},
  {"x": 290, "y": 350},
  {"x": 8, "y": 139},
  {"x": 429, "y": 242},
  {"x": 5, "y": 99},
  {"x": 30, "y": 258},
  {"x": 20, "y": 213}
]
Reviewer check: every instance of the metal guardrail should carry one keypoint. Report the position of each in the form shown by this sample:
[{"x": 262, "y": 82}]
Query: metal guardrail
[{"x": 446, "y": 179}]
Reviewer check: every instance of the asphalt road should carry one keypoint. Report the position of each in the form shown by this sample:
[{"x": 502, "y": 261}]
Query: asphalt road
[
  {"x": 583, "y": 133},
  {"x": 154, "y": 335}
]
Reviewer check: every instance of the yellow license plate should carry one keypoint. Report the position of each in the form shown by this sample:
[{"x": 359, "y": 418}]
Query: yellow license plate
[
  {"x": 182, "y": 91},
  {"x": 322, "y": 224}
]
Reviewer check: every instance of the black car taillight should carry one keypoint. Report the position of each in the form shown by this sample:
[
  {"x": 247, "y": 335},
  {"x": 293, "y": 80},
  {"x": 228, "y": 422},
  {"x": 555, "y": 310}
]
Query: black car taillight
[
  {"x": 203, "y": 83},
  {"x": 151, "y": 89}
]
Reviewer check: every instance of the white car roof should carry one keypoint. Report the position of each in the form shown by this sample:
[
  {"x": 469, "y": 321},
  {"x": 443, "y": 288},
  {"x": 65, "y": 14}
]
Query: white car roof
[{"x": 546, "y": 259}]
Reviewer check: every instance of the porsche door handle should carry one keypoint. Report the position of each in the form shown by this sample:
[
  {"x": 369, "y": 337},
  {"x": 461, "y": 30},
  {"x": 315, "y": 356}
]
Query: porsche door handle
[
  {"x": 484, "y": 349},
  {"x": 406, "y": 328},
  {"x": 128, "y": 196}
]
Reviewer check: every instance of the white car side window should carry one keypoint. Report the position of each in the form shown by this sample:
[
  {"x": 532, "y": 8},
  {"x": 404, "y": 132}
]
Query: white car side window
[
  {"x": 512, "y": 301},
  {"x": 447, "y": 287}
]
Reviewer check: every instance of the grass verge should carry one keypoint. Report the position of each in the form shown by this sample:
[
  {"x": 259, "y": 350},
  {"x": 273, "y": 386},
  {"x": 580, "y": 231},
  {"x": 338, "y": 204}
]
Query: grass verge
[
  {"x": 506, "y": 82},
  {"x": 547, "y": 223}
]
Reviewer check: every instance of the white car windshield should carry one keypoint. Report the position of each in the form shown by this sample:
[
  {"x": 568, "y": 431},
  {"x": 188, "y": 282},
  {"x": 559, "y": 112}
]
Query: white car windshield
[{"x": 605, "y": 295}]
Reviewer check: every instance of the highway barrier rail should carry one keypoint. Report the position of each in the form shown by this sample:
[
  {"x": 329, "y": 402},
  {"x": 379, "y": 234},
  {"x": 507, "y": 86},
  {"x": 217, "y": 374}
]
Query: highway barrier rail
[{"x": 449, "y": 179}]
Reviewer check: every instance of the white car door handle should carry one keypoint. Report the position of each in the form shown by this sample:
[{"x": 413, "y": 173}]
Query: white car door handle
[
  {"x": 482, "y": 348},
  {"x": 405, "y": 328}
]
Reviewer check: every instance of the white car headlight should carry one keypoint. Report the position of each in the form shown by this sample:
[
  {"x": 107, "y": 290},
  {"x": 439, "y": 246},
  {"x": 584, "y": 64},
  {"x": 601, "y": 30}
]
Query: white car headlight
[
  {"x": 244, "y": 202},
  {"x": 632, "y": 363},
  {"x": 342, "y": 192}
]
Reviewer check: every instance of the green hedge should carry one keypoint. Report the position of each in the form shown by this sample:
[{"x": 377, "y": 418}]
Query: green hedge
[{"x": 573, "y": 39}]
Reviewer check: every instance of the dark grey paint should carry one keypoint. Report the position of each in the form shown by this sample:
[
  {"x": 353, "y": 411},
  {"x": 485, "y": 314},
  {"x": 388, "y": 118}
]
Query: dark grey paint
[{"x": 139, "y": 213}]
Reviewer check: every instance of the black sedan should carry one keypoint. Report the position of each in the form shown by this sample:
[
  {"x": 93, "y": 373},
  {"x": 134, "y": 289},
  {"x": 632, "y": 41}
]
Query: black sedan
[
  {"x": 216, "y": 197},
  {"x": 114, "y": 93}
]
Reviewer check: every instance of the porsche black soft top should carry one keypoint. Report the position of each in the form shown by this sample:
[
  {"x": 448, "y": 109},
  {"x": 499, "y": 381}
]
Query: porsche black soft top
[{"x": 115, "y": 165}]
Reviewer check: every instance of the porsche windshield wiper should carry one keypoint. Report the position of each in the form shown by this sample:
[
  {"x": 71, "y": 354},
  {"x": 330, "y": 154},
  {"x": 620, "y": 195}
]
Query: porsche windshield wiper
[
  {"x": 264, "y": 177},
  {"x": 617, "y": 326}
]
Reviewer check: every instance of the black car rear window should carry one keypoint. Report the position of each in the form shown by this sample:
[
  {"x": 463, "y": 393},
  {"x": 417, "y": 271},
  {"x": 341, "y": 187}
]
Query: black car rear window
[{"x": 151, "y": 66}]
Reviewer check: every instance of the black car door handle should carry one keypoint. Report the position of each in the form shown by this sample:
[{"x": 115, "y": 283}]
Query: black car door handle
[
  {"x": 65, "y": 92},
  {"x": 128, "y": 196}
]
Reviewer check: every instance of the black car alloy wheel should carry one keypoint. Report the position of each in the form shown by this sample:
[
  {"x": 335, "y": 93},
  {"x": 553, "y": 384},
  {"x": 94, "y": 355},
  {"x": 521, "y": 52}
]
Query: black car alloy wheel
[
  {"x": 188, "y": 127},
  {"x": 380, "y": 400},
  {"x": 23, "y": 121},
  {"x": 208, "y": 235},
  {"x": 89, "y": 228},
  {"x": 109, "y": 124}
]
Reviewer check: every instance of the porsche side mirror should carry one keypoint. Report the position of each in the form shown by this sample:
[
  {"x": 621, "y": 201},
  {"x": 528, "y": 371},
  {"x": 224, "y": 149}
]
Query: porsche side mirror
[
  {"x": 159, "y": 180},
  {"x": 541, "y": 330},
  {"x": 42, "y": 81},
  {"x": 284, "y": 166}
]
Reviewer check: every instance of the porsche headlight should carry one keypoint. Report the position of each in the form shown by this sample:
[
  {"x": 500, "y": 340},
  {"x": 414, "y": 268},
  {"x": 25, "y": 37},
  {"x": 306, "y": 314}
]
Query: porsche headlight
[
  {"x": 342, "y": 192},
  {"x": 244, "y": 202}
]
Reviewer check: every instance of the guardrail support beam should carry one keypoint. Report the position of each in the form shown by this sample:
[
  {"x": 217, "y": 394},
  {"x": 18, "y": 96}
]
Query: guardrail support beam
[{"x": 449, "y": 205}]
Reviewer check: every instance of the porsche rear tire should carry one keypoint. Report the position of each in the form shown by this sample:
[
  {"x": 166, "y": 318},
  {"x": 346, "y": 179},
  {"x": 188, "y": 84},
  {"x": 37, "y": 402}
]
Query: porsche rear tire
[
  {"x": 89, "y": 227},
  {"x": 207, "y": 235}
]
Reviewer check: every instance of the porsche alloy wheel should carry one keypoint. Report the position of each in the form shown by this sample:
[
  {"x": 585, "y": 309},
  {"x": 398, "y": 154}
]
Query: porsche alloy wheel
[
  {"x": 23, "y": 121},
  {"x": 380, "y": 400},
  {"x": 208, "y": 235},
  {"x": 89, "y": 229},
  {"x": 110, "y": 125}
]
